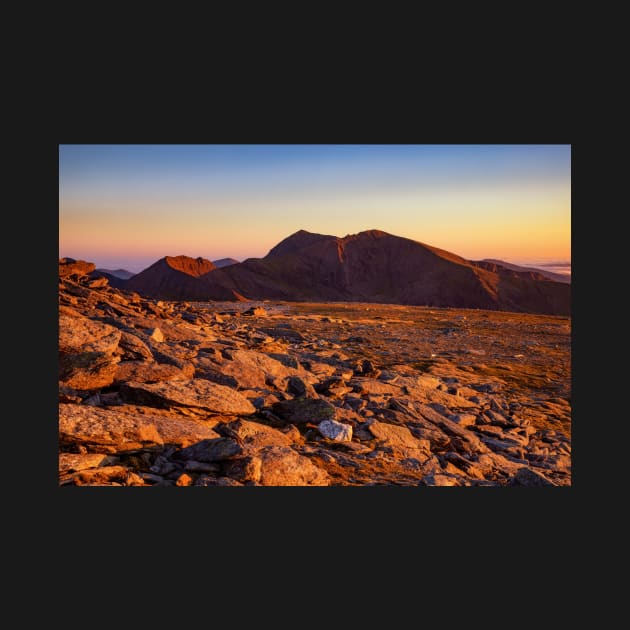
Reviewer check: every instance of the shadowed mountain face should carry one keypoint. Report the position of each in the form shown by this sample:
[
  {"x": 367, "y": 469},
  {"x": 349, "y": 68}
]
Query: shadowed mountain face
[
  {"x": 224, "y": 262},
  {"x": 371, "y": 266},
  {"x": 535, "y": 273},
  {"x": 123, "y": 274},
  {"x": 172, "y": 278}
]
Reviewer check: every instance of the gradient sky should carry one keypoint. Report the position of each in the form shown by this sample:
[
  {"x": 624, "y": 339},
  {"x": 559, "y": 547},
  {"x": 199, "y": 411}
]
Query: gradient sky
[{"x": 128, "y": 205}]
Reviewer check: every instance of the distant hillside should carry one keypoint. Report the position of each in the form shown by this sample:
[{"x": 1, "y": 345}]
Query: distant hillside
[
  {"x": 550, "y": 275},
  {"x": 123, "y": 274},
  {"x": 225, "y": 262}
]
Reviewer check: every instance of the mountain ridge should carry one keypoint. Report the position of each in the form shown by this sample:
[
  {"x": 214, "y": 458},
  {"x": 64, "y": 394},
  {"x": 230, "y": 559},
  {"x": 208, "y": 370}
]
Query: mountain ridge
[{"x": 370, "y": 266}]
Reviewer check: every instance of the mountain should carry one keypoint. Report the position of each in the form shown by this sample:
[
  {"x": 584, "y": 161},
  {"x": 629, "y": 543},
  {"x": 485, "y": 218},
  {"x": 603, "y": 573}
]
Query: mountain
[
  {"x": 374, "y": 266},
  {"x": 225, "y": 262},
  {"x": 172, "y": 278},
  {"x": 488, "y": 263},
  {"x": 123, "y": 274},
  {"x": 371, "y": 266}
]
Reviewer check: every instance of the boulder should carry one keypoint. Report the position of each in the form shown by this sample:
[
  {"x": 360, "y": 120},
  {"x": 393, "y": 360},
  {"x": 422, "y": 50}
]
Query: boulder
[
  {"x": 212, "y": 450},
  {"x": 400, "y": 441},
  {"x": 527, "y": 477},
  {"x": 87, "y": 370},
  {"x": 80, "y": 334},
  {"x": 335, "y": 431},
  {"x": 196, "y": 393},
  {"x": 71, "y": 462},
  {"x": 282, "y": 466},
  {"x": 254, "y": 435},
  {"x": 304, "y": 410},
  {"x": 146, "y": 372},
  {"x": 112, "y": 430},
  {"x": 133, "y": 348}
]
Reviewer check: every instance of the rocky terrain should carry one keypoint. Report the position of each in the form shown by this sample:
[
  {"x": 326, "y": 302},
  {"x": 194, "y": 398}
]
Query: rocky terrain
[{"x": 173, "y": 393}]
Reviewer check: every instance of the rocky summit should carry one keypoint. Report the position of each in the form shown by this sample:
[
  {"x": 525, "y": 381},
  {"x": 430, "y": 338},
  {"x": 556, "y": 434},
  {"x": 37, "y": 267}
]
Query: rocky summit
[{"x": 241, "y": 393}]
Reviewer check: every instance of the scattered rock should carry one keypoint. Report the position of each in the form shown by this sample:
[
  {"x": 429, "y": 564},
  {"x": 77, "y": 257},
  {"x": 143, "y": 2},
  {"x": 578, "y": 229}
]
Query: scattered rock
[
  {"x": 336, "y": 431},
  {"x": 184, "y": 480},
  {"x": 304, "y": 410},
  {"x": 244, "y": 469},
  {"x": 212, "y": 450},
  {"x": 282, "y": 466},
  {"x": 527, "y": 477},
  {"x": 157, "y": 335}
]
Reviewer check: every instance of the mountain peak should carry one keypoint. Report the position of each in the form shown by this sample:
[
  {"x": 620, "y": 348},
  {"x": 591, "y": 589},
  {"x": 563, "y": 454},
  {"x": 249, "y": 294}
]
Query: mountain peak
[
  {"x": 297, "y": 241},
  {"x": 191, "y": 266}
]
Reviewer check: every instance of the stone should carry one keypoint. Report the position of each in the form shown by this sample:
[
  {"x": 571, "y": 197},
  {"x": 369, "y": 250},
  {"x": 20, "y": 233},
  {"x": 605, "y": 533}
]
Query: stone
[
  {"x": 208, "y": 480},
  {"x": 452, "y": 428},
  {"x": 80, "y": 334},
  {"x": 196, "y": 393},
  {"x": 335, "y": 431},
  {"x": 212, "y": 450},
  {"x": 157, "y": 335},
  {"x": 244, "y": 469},
  {"x": 282, "y": 466},
  {"x": 184, "y": 480},
  {"x": 254, "y": 435},
  {"x": 98, "y": 283},
  {"x": 205, "y": 467},
  {"x": 463, "y": 419},
  {"x": 209, "y": 370},
  {"x": 87, "y": 370},
  {"x": 373, "y": 386},
  {"x": 297, "y": 387},
  {"x": 107, "y": 475},
  {"x": 400, "y": 440},
  {"x": 111, "y": 430},
  {"x": 71, "y": 462},
  {"x": 333, "y": 387},
  {"x": 437, "y": 479},
  {"x": 146, "y": 372},
  {"x": 133, "y": 348},
  {"x": 286, "y": 359},
  {"x": 257, "y": 311},
  {"x": 69, "y": 267},
  {"x": 319, "y": 369},
  {"x": 527, "y": 477},
  {"x": 304, "y": 410}
]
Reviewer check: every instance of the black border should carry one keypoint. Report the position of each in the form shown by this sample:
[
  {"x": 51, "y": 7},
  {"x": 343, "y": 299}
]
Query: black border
[{"x": 383, "y": 520}]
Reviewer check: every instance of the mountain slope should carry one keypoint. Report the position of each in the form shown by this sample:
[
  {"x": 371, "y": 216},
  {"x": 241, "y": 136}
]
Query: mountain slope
[
  {"x": 491, "y": 263},
  {"x": 123, "y": 274},
  {"x": 225, "y": 262}
]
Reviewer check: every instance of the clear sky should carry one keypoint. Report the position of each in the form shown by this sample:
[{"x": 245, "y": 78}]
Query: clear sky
[{"x": 128, "y": 205}]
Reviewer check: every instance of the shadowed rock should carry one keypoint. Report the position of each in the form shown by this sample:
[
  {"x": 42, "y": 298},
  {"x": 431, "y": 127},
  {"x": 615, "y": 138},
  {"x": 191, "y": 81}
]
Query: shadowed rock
[
  {"x": 528, "y": 477},
  {"x": 304, "y": 410}
]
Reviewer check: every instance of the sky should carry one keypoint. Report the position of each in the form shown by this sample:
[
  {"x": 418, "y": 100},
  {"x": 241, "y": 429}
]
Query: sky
[{"x": 126, "y": 206}]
